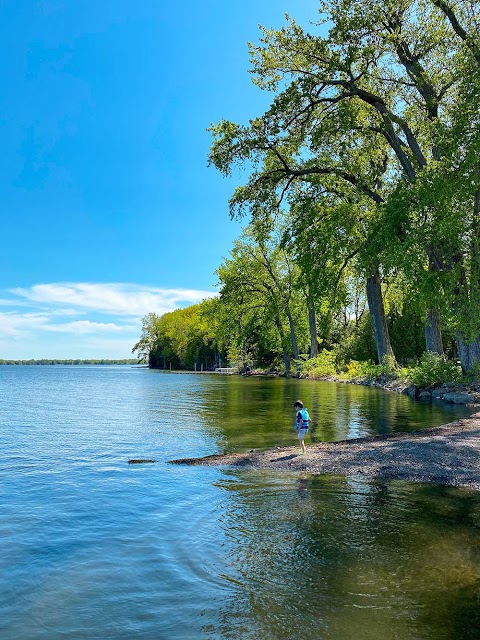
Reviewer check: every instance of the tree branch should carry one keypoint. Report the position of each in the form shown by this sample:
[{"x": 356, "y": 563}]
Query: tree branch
[{"x": 457, "y": 27}]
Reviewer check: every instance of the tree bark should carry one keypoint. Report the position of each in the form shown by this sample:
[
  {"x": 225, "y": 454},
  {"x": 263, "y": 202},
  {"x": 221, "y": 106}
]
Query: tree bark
[
  {"x": 469, "y": 349},
  {"x": 286, "y": 355},
  {"x": 293, "y": 338},
  {"x": 475, "y": 255},
  {"x": 312, "y": 324},
  {"x": 377, "y": 314},
  {"x": 468, "y": 352},
  {"x": 433, "y": 333},
  {"x": 293, "y": 335}
]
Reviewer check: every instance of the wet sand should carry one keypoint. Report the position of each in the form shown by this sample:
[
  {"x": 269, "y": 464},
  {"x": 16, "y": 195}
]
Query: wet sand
[{"x": 448, "y": 455}]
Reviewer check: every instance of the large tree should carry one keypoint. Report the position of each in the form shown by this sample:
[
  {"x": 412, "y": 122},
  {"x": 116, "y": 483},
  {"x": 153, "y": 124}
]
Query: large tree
[
  {"x": 258, "y": 282},
  {"x": 367, "y": 107}
]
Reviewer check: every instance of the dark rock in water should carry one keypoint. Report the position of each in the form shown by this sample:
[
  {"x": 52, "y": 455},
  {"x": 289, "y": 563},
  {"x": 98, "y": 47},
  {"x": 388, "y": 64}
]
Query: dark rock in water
[
  {"x": 439, "y": 393},
  {"x": 458, "y": 398},
  {"x": 412, "y": 391},
  {"x": 133, "y": 461}
]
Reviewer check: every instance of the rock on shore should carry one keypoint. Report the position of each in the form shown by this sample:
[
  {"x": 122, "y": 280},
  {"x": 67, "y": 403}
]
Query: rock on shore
[{"x": 448, "y": 455}]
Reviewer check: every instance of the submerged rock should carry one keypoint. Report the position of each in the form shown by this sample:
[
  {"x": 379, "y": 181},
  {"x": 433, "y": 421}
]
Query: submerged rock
[
  {"x": 412, "y": 391},
  {"x": 425, "y": 394},
  {"x": 458, "y": 398}
]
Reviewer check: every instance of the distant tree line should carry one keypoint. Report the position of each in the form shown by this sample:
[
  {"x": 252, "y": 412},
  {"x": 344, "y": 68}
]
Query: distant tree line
[
  {"x": 72, "y": 362},
  {"x": 361, "y": 197}
]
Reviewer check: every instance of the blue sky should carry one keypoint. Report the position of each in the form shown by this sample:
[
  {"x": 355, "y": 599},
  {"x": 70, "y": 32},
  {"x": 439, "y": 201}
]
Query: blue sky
[{"x": 108, "y": 208}]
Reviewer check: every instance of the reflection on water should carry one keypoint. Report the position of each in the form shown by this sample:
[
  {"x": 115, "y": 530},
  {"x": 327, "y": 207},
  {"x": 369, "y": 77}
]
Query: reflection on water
[
  {"x": 258, "y": 413},
  {"x": 91, "y": 547},
  {"x": 324, "y": 557}
]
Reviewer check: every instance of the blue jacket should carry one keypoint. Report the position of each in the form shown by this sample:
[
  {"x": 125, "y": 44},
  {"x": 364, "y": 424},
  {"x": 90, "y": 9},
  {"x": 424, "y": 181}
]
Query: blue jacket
[{"x": 303, "y": 415}]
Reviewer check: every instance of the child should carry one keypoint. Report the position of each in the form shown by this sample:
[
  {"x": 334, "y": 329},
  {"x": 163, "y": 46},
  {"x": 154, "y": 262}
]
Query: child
[{"x": 302, "y": 422}]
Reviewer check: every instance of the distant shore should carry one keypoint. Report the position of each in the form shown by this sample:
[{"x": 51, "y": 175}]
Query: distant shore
[
  {"x": 448, "y": 455},
  {"x": 73, "y": 362}
]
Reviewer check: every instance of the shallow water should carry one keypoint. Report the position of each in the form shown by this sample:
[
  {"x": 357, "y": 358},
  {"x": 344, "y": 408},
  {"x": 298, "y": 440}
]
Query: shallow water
[{"x": 91, "y": 547}]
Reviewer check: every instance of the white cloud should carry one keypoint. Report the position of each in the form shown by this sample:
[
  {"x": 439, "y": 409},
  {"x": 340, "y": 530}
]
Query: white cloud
[
  {"x": 85, "y": 326},
  {"x": 42, "y": 323},
  {"x": 8, "y": 302},
  {"x": 15, "y": 324},
  {"x": 115, "y": 298}
]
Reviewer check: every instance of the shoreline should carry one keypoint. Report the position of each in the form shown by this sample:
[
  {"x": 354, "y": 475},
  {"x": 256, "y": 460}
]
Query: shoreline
[
  {"x": 447, "y": 455},
  {"x": 449, "y": 392}
]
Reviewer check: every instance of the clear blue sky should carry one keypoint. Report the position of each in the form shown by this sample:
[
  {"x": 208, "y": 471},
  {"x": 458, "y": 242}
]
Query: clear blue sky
[{"x": 108, "y": 208}]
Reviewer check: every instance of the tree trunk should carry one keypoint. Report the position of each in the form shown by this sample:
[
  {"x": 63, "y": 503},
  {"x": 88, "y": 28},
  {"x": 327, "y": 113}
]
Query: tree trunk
[
  {"x": 292, "y": 333},
  {"x": 286, "y": 355},
  {"x": 469, "y": 348},
  {"x": 293, "y": 338},
  {"x": 377, "y": 314},
  {"x": 433, "y": 333},
  {"x": 312, "y": 323},
  {"x": 468, "y": 352}
]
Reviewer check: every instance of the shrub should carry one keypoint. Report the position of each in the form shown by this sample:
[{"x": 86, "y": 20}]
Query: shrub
[
  {"x": 389, "y": 366},
  {"x": 434, "y": 369},
  {"x": 322, "y": 365},
  {"x": 356, "y": 369},
  {"x": 473, "y": 374}
]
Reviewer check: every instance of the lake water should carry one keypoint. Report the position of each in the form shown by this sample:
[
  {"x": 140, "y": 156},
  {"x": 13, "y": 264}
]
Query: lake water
[{"x": 94, "y": 548}]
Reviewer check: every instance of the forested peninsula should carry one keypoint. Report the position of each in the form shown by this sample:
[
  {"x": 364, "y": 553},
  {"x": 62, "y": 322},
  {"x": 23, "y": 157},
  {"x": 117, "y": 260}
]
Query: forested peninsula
[{"x": 360, "y": 192}]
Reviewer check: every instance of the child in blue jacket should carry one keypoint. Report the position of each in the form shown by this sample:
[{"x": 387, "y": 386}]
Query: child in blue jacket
[{"x": 302, "y": 422}]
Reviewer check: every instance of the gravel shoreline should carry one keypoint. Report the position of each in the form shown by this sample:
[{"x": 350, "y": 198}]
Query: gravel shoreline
[{"x": 448, "y": 455}]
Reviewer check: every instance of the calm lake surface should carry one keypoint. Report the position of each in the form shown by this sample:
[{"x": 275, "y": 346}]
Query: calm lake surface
[{"x": 94, "y": 548}]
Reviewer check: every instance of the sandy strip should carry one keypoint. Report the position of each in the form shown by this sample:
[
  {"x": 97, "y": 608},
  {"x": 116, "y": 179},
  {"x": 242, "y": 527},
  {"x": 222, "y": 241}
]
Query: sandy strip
[{"x": 448, "y": 455}]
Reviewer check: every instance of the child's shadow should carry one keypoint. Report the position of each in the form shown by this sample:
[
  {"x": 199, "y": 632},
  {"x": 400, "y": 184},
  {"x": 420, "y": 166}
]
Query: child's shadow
[{"x": 293, "y": 455}]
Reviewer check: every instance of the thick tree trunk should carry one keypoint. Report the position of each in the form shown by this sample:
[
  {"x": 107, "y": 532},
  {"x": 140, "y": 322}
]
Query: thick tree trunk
[
  {"x": 475, "y": 257},
  {"x": 468, "y": 352},
  {"x": 286, "y": 355},
  {"x": 312, "y": 323},
  {"x": 293, "y": 338},
  {"x": 377, "y": 314},
  {"x": 469, "y": 349},
  {"x": 433, "y": 333},
  {"x": 293, "y": 335}
]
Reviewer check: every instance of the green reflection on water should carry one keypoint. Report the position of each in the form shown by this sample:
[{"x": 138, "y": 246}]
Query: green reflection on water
[
  {"x": 334, "y": 558},
  {"x": 258, "y": 412}
]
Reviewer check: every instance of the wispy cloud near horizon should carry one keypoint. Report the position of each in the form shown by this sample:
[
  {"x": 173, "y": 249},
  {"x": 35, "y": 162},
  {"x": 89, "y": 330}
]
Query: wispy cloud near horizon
[
  {"x": 116, "y": 298},
  {"x": 41, "y": 320}
]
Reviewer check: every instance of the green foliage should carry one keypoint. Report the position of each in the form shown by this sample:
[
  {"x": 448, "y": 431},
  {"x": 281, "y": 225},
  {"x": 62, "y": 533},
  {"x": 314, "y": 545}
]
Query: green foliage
[
  {"x": 355, "y": 341},
  {"x": 362, "y": 370},
  {"x": 388, "y": 366},
  {"x": 473, "y": 374},
  {"x": 434, "y": 369},
  {"x": 180, "y": 339},
  {"x": 323, "y": 365},
  {"x": 371, "y": 140},
  {"x": 406, "y": 329}
]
